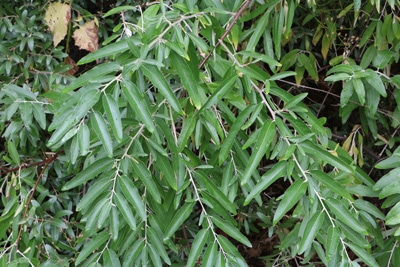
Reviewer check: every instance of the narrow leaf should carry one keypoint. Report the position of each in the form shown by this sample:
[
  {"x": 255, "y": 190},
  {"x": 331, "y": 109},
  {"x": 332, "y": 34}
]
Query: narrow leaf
[
  {"x": 343, "y": 214},
  {"x": 330, "y": 183},
  {"x": 316, "y": 151},
  {"x": 137, "y": 103},
  {"x": 234, "y": 130},
  {"x": 266, "y": 134},
  {"x": 231, "y": 230},
  {"x": 94, "y": 192},
  {"x": 179, "y": 218},
  {"x": 159, "y": 247},
  {"x": 311, "y": 231},
  {"x": 100, "y": 128},
  {"x": 89, "y": 173},
  {"x": 187, "y": 129},
  {"x": 148, "y": 180},
  {"x": 157, "y": 78},
  {"x": 91, "y": 246},
  {"x": 223, "y": 88},
  {"x": 364, "y": 255},
  {"x": 197, "y": 247},
  {"x": 290, "y": 198},
  {"x": 277, "y": 171},
  {"x": 113, "y": 115},
  {"x": 125, "y": 210},
  {"x": 132, "y": 195},
  {"x": 188, "y": 76},
  {"x": 96, "y": 72}
]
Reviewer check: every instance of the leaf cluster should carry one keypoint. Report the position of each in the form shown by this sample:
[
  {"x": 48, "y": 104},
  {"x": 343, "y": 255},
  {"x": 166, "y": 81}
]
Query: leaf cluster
[{"x": 196, "y": 131}]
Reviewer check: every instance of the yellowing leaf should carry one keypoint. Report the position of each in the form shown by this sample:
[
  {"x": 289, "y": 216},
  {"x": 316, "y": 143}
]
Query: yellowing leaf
[
  {"x": 58, "y": 16},
  {"x": 86, "y": 36}
]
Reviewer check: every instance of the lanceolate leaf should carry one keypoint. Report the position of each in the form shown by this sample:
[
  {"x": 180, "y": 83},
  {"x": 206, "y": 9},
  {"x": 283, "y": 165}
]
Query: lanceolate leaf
[
  {"x": 277, "y": 171},
  {"x": 290, "y": 198},
  {"x": 101, "y": 130},
  {"x": 364, "y": 255},
  {"x": 197, "y": 247},
  {"x": 330, "y": 183},
  {"x": 179, "y": 218},
  {"x": 266, "y": 134},
  {"x": 157, "y": 242},
  {"x": 224, "y": 87},
  {"x": 310, "y": 232},
  {"x": 97, "y": 241},
  {"x": 148, "y": 180},
  {"x": 89, "y": 173},
  {"x": 158, "y": 80},
  {"x": 235, "y": 128},
  {"x": 314, "y": 150},
  {"x": 189, "y": 78},
  {"x": 91, "y": 74},
  {"x": 132, "y": 195},
  {"x": 113, "y": 115},
  {"x": 125, "y": 210},
  {"x": 344, "y": 215},
  {"x": 94, "y": 192},
  {"x": 136, "y": 101},
  {"x": 231, "y": 230}
]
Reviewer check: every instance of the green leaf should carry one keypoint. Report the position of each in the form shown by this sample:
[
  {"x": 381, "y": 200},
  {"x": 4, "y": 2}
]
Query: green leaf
[
  {"x": 106, "y": 51},
  {"x": 277, "y": 171},
  {"x": 154, "y": 256},
  {"x": 90, "y": 75},
  {"x": 189, "y": 78},
  {"x": 125, "y": 210},
  {"x": 111, "y": 258},
  {"x": 295, "y": 100},
  {"x": 137, "y": 103},
  {"x": 282, "y": 75},
  {"x": 215, "y": 192},
  {"x": 266, "y": 134},
  {"x": 369, "y": 208},
  {"x": 359, "y": 89},
  {"x": 119, "y": 9},
  {"x": 83, "y": 139},
  {"x": 330, "y": 183},
  {"x": 343, "y": 214},
  {"x": 165, "y": 167},
  {"x": 375, "y": 82},
  {"x": 231, "y": 230},
  {"x": 332, "y": 242},
  {"x": 179, "y": 218},
  {"x": 197, "y": 247},
  {"x": 290, "y": 198},
  {"x": 210, "y": 255},
  {"x": 39, "y": 115},
  {"x": 147, "y": 179},
  {"x": 132, "y": 195},
  {"x": 337, "y": 77},
  {"x": 224, "y": 87},
  {"x": 113, "y": 115},
  {"x": 13, "y": 153},
  {"x": 393, "y": 216},
  {"x": 187, "y": 129},
  {"x": 314, "y": 150},
  {"x": 100, "y": 128},
  {"x": 94, "y": 192},
  {"x": 98, "y": 240},
  {"x": 157, "y": 242},
  {"x": 89, "y": 173},
  {"x": 311, "y": 231},
  {"x": 157, "y": 78},
  {"x": 364, "y": 255}
]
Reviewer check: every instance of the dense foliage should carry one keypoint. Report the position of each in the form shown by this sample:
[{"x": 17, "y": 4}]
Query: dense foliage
[{"x": 212, "y": 133}]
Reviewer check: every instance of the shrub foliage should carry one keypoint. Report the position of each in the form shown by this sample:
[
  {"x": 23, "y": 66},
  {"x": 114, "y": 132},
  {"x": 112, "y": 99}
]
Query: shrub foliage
[{"x": 199, "y": 132}]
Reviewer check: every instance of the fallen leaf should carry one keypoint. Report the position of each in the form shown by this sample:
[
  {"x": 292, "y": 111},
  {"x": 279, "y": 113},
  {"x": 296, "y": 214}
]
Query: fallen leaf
[
  {"x": 58, "y": 16},
  {"x": 74, "y": 69},
  {"x": 86, "y": 36}
]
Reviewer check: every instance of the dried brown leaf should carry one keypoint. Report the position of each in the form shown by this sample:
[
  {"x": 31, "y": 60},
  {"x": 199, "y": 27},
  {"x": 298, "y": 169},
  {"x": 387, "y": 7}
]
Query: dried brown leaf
[
  {"x": 58, "y": 16},
  {"x": 86, "y": 37}
]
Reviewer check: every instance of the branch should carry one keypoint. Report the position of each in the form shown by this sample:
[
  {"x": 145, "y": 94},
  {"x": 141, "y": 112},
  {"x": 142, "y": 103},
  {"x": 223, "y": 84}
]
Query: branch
[{"x": 221, "y": 39}]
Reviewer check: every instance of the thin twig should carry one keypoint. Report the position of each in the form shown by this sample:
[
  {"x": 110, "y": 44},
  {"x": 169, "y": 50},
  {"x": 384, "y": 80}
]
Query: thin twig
[
  {"x": 47, "y": 162},
  {"x": 228, "y": 29}
]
